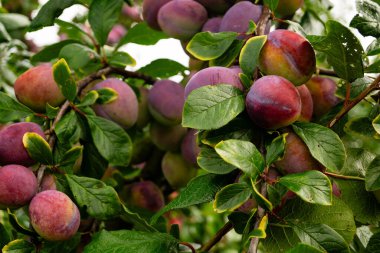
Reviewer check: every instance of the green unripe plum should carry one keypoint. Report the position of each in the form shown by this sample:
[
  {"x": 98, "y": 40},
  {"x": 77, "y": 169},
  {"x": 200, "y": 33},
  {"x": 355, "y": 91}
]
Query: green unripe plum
[
  {"x": 150, "y": 12},
  {"x": 166, "y": 101},
  {"x": 167, "y": 138},
  {"x": 123, "y": 110},
  {"x": 273, "y": 102},
  {"x": 176, "y": 170},
  {"x": 12, "y": 150},
  {"x": 182, "y": 19},
  {"x": 18, "y": 185},
  {"x": 36, "y": 87},
  {"x": 307, "y": 104},
  {"x": 297, "y": 157},
  {"x": 322, "y": 90},
  {"x": 287, "y": 8},
  {"x": 54, "y": 215},
  {"x": 289, "y": 55}
]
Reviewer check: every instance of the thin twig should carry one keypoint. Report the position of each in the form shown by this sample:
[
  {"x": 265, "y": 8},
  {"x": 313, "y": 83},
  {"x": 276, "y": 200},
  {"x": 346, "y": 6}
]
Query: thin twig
[
  {"x": 189, "y": 246},
  {"x": 263, "y": 21},
  {"x": 217, "y": 237},
  {"x": 344, "y": 176}
]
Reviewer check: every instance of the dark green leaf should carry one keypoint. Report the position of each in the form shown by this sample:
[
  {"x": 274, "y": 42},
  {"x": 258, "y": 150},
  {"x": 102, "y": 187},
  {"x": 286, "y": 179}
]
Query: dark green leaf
[
  {"x": 374, "y": 48},
  {"x": 93, "y": 164},
  {"x": 373, "y": 68},
  {"x": 101, "y": 201},
  {"x": 211, "y": 162},
  {"x": 19, "y": 226},
  {"x": 102, "y": 16},
  {"x": 89, "y": 99},
  {"x": 231, "y": 197},
  {"x": 38, "y": 148},
  {"x": 302, "y": 248},
  {"x": 207, "y": 46},
  {"x": 357, "y": 87},
  {"x": 70, "y": 158},
  {"x": 228, "y": 58},
  {"x": 69, "y": 129},
  {"x": 259, "y": 197},
  {"x": 324, "y": 144},
  {"x": 4, "y": 236},
  {"x": 132, "y": 241},
  {"x": 199, "y": 190},
  {"x": 276, "y": 149},
  {"x": 343, "y": 49},
  {"x": 374, "y": 244},
  {"x": 19, "y": 246},
  {"x": 112, "y": 142},
  {"x": 139, "y": 223},
  {"x": 60, "y": 247},
  {"x": 77, "y": 55},
  {"x": 239, "y": 220},
  {"x": 62, "y": 76},
  {"x": 162, "y": 68},
  {"x": 312, "y": 186},
  {"x": 367, "y": 21},
  {"x": 376, "y": 124},
  {"x": 249, "y": 56},
  {"x": 272, "y": 4},
  {"x": 51, "y": 10},
  {"x": 372, "y": 177},
  {"x": 142, "y": 34},
  {"x": 242, "y": 154},
  {"x": 51, "y": 52},
  {"x": 213, "y": 106},
  {"x": 51, "y": 111},
  {"x": 106, "y": 95},
  {"x": 121, "y": 60},
  {"x": 11, "y": 110}
]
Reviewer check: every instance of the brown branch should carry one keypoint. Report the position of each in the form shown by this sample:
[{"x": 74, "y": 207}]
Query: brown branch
[
  {"x": 189, "y": 246},
  {"x": 326, "y": 72},
  {"x": 217, "y": 237},
  {"x": 263, "y": 21},
  {"x": 374, "y": 86}
]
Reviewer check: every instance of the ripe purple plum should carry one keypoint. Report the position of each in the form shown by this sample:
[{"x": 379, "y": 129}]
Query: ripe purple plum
[
  {"x": 166, "y": 101},
  {"x": 150, "y": 12},
  {"x": 273, "y": 102},
  {"x": 190, "y": 148},
  {"x": 132, "y": 12},
  {"x": 307, "y": 103},
  {"x": 117, "y": 32},
  {"x": 48, "y": 182},
  {"x": 212, "y": 25},
  {"x": 297, "y": 157},
  {"x": 12, "y": 150},
  {"x": 176, "y": 170},
  {"x": 123, "y": 110},
  {"x": 18, "y": 185},
  {"x": 167, "y": 138},
  {"x": 237, "y": 18},
  {"x": 289, "y": 55},
  {"x": 182, "y": 19},
  {"x": 286, "y": 8},
  {"x": 322, "y": 90},
  {"x": 54, "y": 215},
  {"x": 213, "y": 76},
  {"x": 36, "y": 87}
]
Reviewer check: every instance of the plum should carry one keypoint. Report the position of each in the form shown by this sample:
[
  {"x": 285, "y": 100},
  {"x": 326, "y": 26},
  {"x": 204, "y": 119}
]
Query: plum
[
  {"x": 212, "y": 25},
  {"x": 150, "y": 12},
  {"x": 213, "y": 76},
  {"x": 123, "y": 110},
  {"x": 49, "y": 182},
  {"x": 36, "y": 87},
  {"x": 166, "y": 101},
  {"x": 54, "y": 215},
  {"x": 287, "y": 8},
  {"x": 307, "y": 103},
  {"x": 190, "y": 148},
  {"x": 289, "y": 55},
  {"x": 12, "y": 150},
  {"x": 132, "y": 12},
  {"x": 18, "y": 185},
  {"x": 322, "y": 90},
  {"x": 182, "y": 19},
  {"x": 167, "y": 137},
  {"x": 297, "y": 157},
  {"x": 117, "y": 32},
  {"x": 273, "y": 102},
  {"x": 176, "y": 170}
]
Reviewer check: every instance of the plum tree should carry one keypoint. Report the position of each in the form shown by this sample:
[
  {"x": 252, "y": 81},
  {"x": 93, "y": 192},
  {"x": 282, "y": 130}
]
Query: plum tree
[
  {"x": 273, "y": 102},
  {"x": 289, "y": 55},
  {"x": 54, "y": 215},
  {"x": 123, "y": 110},
  {"x": 18, "y": 185},
  {"x": 176, "y": 170},
  {"x": 12, "y": 150},
  {"x": 36, "y": 88}
]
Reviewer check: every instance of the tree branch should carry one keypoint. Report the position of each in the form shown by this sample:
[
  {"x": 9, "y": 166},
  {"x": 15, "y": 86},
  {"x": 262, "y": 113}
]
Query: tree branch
[
  {"x": 217, "y": 237},
  {"x": 263, "y": 21}
]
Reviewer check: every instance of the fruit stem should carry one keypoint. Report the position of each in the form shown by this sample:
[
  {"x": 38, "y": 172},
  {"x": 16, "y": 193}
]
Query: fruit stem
[
  {"x": 344, "y": 176},
  {"x": 217, "y": 237}
]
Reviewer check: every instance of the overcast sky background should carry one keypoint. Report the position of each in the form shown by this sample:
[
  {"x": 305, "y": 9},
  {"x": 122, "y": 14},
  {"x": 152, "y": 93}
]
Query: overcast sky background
[{"x": 171, "y": 48}]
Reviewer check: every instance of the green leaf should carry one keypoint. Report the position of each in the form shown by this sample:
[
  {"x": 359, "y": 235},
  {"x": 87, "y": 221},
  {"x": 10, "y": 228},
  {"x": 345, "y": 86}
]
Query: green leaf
[
  {"x": 69, "y": 129},
  {"x": 260, "y": 198},
  {"x": 51, "y": 52},
  {"x": 70, "y": 157},
  {"x": 121, "y": 60},
  {"x": 101, "y": 201},
  {"x": 312, "y": 186},
  {"x": 231, "y": 197},
  {"x": 275, "y": 150},
  {"x": 212, "y": 106},
  {"x": 302, "y": 248},
  {"x": 89, "y": 99},
  {"x": 373, "y": 68},
  {"x": 4, "y": 35},
  {"x": 19, "y": 246},
  {"x": 132, "y": 241},
  {"x": 162, "y": 68},
  {"x": 38, "y": 148},
  {"x": 112, "y": 142},
  {"x": 106, "y": 95},
  {"x": 4, "y": 236},
  {"x": 211, "y": 162},
  {"x": 249, "y": 56},
  {"x": 102, "y": 16},
  {"x": 228, "y": 58},
  {"x": 242, "y": 154},
  {"x": 372, "y": 177},
  {"x": 201, "y": 189},
  {"x": 272, "y": 4},
  {"x": 63, "y": 246},
  {"x": 49, "y": 11},
  {"x": 376, "y": 124},
  {"x": 367, "y": 21},
  {"x": 11, "y": 110},
  {"x": 344, "y": 51},
  {"x": 93, "y": 164},
  {"x": 19, "y": 226},
  {"x": 77, "y": 55},
  {"x": 374, "y": 244},
  {"x": 139, "y": 223},
  {"x": 324, "y": 144},
  {"x": 373, "y": 48},
  {"x": 142, "y": 34},
  {"x": 14, "y": 21},
  {"x": 207, "y": 46},
  {"x": 62, "y": 76},
  {"x": 68, "y": 27}
]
